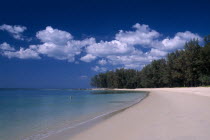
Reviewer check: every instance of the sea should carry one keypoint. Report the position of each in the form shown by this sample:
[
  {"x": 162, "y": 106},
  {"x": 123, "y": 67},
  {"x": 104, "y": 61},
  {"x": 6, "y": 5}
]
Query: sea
[{"x": 35, "y": 114}]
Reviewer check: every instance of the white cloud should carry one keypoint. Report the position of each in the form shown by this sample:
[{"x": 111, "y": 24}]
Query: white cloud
[
  {"x": 130, "y": 61},
  {"x": 6, "y": 47},
  {"x": 88, "y": 58},
  {"x": 56, "y": 43},
  {"x": 123, "y": 50},
  {"x": 99, "y": 69},
  {"x": 136, "y": 60},
  {"x": 106, "y": 48},
  {"x": 10, "y": 52},
  {"x": 22, "y": 54},
  {"x": 178, "y": 41},
  {"x": 142, "y": 35},
  {"x": 102, "y": 62},
  {"x": 147, "y": 37},
  {"x": 59, "y": 44},
  {"x": 157, "y": 53},
  {"x": 55, "y": 36},
  {"x": 16, "y": 30},
  {"x": 126, "y": 50}
]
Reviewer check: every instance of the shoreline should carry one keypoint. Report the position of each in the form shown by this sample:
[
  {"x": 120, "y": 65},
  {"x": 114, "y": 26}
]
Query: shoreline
[
  {"x": 80, "y": 127},
  {"x": 166, "y": 114}
]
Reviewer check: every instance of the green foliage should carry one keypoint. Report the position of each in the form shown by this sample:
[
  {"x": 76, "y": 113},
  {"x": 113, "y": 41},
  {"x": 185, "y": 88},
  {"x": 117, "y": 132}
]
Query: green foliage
[
  {"x": 205, "y": 80},
  {"x": 182, "y": 68}
]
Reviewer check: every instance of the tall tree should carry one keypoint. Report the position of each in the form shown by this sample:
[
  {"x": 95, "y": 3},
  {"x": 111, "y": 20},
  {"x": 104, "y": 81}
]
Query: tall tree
[
  {"x": 192, "y": 58},
  {"x": 187, "y": 67}
]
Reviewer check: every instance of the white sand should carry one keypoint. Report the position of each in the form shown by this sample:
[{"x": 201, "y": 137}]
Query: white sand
[{"x": 166, "y": 114}]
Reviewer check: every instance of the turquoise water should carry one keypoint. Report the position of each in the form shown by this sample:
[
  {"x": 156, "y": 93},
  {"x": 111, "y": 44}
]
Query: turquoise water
[{"x": 33, "y": 114}]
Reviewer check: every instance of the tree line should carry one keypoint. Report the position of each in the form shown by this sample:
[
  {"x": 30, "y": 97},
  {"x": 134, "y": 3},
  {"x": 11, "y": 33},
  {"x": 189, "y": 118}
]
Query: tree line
[{"x": 189, "y": 67}]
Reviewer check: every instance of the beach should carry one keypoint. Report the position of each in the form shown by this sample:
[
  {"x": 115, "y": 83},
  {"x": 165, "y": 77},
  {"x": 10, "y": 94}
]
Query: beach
[{"x": 166, "y": 114}]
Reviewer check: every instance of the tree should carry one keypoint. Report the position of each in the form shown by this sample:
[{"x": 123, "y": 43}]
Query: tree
[
  {"x": 192, "y": 58},
  {"x": 187, "y": 67}
]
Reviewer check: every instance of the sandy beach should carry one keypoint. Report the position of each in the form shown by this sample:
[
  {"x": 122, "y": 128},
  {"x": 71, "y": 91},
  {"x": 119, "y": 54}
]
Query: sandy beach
[{"x": 166, "y": 114}]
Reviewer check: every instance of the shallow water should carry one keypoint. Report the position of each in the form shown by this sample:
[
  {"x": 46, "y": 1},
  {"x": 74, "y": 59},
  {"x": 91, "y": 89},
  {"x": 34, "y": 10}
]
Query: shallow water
[{"x": 34, "y": 114}]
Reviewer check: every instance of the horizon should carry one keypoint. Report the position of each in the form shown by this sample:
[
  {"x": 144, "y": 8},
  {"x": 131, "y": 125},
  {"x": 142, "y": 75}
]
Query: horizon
[{"x": 51, "y": 45}]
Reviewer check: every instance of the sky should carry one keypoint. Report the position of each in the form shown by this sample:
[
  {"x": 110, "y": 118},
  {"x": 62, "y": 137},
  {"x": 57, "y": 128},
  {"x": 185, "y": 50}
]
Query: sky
[{"x": 62, "y": 44}]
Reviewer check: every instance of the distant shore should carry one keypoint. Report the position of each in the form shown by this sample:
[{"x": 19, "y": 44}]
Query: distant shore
[{"x": 166, "y": 114}]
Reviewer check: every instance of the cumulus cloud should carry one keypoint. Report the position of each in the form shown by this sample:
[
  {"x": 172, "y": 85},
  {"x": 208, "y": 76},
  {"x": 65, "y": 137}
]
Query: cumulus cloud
[
  {"x": 10, "y": 52},
  {"x": 59, "y": 44},
  {"x": 126, "y": 50},
  {"x": 6, "y": 47},
  {"x": 55, "y": 36},
  {"x": 56, "y": 43},
  {"x": 142, "y": 35},
  {"x": 88, "y": 58},
  {"x": 22, "y": 54},
  {"x": 157, "y": 53},
  {"x": 109, "y": 48},
  {"x": 123, "y": 51},
  {"x": 147, "y": 37},
  {"x": 16, "y": 30},
  {"x": 99, "y": 69},
  {"x": 62, "y": 52},
  {"x": 178, "y": 41},
  {"x": 130, "y": 61},
  {"x": 102, "y": 62}
]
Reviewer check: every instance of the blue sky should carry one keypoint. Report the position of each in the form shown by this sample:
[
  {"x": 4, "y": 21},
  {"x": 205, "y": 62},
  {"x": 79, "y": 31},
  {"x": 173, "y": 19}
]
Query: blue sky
[{"x": 61, "y": 44}]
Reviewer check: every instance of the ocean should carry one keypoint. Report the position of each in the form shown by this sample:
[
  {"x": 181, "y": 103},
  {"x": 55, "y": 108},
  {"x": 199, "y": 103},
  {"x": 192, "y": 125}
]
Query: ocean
[{"x": 34, "y": 114}]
